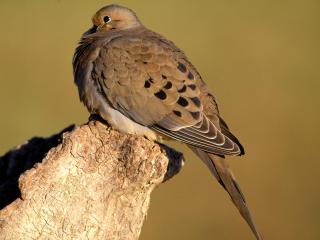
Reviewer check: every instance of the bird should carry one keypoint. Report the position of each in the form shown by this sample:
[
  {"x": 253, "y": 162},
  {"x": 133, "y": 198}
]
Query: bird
[{"x": 141, "y": 83}]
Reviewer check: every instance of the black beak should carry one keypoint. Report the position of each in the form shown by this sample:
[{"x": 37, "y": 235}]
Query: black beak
[{"x": 91, "y": 30}]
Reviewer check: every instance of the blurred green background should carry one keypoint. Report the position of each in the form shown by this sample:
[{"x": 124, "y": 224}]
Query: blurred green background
[{"x": 260, "y": 58}]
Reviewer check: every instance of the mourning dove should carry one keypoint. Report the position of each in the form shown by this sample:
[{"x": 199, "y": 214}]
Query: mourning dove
[{"x": 142, "y": 83}]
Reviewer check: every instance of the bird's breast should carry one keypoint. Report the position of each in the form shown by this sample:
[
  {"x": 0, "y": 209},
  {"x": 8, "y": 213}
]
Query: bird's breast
[{"x": 120, "y": 122}]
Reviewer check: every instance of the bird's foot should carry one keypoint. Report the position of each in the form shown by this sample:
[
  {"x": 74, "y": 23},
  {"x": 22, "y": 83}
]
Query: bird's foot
[{"x": 97, "y": 117}]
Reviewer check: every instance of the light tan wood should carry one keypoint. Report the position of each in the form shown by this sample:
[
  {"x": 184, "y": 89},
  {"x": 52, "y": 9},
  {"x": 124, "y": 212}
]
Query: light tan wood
[{"x": 95, "y": 183}]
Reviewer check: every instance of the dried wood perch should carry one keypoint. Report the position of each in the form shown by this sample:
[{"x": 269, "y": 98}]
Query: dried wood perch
[{"x": 87, "y": 182}]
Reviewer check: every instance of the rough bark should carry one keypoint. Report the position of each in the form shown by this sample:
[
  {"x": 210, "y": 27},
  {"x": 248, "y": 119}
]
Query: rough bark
[{"x": 87, "y": 182}]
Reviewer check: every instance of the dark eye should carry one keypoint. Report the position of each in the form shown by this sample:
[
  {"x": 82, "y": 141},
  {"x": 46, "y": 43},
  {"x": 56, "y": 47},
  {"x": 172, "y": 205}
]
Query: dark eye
[{"x": 106, "y": 19}]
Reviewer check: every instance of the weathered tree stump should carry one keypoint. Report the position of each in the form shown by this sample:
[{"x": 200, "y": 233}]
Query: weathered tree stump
[{"x": 87, "y": 182}]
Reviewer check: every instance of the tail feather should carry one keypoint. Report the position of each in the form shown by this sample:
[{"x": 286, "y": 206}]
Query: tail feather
[{"x": 220, "y": 169}]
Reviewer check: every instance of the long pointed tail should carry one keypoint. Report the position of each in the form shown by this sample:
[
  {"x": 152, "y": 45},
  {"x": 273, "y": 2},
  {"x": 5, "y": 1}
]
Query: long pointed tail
[{"x": 220, "y": 169}]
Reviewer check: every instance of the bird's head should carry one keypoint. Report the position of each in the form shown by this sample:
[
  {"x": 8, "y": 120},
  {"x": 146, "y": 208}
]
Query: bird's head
[{"x": 114, "y": 17}]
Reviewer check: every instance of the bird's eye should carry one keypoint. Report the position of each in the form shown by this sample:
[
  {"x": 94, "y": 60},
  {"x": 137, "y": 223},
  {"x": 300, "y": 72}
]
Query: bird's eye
[{"x": 106, "y": 19}]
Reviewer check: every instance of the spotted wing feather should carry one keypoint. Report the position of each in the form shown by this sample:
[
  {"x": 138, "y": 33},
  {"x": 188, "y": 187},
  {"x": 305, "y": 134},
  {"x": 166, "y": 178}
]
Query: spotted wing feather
[{"x": 152, "y": 83}]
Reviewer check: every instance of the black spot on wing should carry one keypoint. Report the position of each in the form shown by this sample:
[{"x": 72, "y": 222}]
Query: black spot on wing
[
  {"x": 168, "y": 85},
  {"x": 183, "y": 89},
  {"x": 161, "y": 95},
  {"x": 182, "y": 102},
  {"x": 164, "y": 77},
  {"x": 178, "y": 113},
  {"x": 190, "y": 76},
  {"x": 182, "y": 68},
  {"x": 196, "y": 101},
  {"x": 147, "y": 84},
  {"x": 192, "y": 87}
]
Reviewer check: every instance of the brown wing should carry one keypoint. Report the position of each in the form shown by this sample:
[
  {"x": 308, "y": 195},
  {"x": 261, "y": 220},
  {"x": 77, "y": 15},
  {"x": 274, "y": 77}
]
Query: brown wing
[{"x": 151, "y": 82}]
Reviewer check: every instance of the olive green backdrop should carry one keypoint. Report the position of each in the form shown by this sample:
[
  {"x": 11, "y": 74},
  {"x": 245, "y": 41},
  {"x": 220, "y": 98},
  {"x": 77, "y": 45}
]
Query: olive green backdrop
[{"x": 260, "y": 58}]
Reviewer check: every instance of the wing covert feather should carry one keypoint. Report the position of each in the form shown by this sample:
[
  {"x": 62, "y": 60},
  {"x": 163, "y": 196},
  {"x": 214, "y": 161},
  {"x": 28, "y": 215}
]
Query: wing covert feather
[{"x": 152, "y": 82}]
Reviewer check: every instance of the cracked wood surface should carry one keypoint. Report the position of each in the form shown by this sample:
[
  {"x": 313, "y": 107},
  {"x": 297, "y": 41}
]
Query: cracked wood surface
[{"x": 87, "y": 182}]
